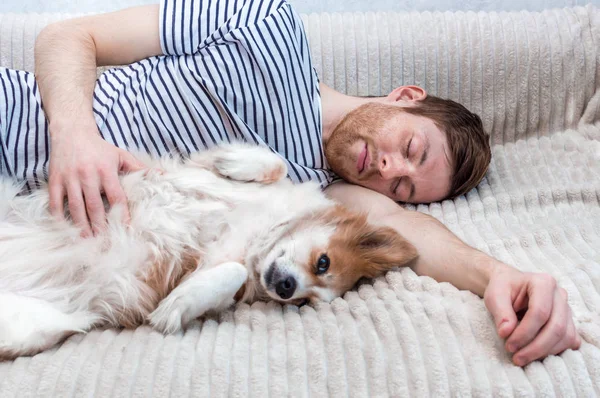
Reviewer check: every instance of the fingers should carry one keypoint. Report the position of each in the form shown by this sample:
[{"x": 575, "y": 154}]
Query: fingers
[
  {"x": 86, "y": 205},
  {"x": 551, "y": 335},
  {"x": 115, "y": 194},
  {"x": 57, "y": 197},
  {"x": 570, "y": 341},
  {"x": 547, "y": 327},
  {"x": 77, "y": 208},
  {"x": 541, "y": 293},
  {"x": 130, "y": 163},
  {"x": 80, "y": 206},
  {"x": 80, "y": 170},
  {"x": 498, "y": 302},
  {"x": 94, "y": 206}
]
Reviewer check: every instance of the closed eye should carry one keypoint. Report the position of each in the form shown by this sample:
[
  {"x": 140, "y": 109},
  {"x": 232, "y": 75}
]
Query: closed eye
[{"x": 408, "y": 147}]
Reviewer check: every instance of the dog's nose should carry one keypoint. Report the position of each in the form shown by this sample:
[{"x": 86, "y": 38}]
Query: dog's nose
[{"x": 286, "y": 287}]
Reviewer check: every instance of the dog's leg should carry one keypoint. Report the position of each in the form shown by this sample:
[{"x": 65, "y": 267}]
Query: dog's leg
[
  {"x": 29, "y": 325},
  {"x": 243, "y": 162},
  {"x": 203, "y": 290}
]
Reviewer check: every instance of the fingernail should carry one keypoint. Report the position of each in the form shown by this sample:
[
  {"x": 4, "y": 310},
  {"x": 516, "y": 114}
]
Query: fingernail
[
  {"x": 512, "y": 348},
  {"x": 518, "y": 361}
]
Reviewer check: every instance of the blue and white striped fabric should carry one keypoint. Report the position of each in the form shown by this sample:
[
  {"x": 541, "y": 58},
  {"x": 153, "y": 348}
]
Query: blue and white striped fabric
[{"x": 232, "y": 70}]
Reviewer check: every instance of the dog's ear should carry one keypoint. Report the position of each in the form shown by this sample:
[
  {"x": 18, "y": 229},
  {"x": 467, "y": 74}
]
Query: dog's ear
[{"x": 382, "y": 248}]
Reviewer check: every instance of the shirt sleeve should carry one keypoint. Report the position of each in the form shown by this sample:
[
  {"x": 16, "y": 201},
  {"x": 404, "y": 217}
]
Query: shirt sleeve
[{"x": 187, "y": 25}]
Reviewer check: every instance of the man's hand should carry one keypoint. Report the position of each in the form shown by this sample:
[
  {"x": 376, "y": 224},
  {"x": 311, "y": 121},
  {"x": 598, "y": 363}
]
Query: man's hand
[
  {"x": 82, "y": 166},
  {"x": 547, "y": 325}
]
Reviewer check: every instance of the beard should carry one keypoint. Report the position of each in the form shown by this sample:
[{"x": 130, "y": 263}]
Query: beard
[{"x": 361, "y": 124}]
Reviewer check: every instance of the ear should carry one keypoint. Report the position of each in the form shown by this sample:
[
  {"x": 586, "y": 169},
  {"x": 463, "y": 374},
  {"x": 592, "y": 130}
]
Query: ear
[
  {"x": 407, "y": 94},
  {"x": 382, "y": 249}
]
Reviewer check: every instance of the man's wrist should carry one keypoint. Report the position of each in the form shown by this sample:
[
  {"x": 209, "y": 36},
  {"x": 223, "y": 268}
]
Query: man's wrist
[
  {"x": 61, "y": 126},
  {"x": 480, "y": 270}
]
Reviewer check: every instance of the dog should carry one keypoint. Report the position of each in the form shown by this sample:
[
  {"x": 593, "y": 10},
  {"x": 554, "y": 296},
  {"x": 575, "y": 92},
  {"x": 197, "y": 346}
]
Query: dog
[{"x": 219, "y": 227}]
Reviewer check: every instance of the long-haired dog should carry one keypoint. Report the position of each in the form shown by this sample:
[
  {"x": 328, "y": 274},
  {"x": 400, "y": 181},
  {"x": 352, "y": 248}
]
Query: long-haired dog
[{"x": 220, "y": 227}]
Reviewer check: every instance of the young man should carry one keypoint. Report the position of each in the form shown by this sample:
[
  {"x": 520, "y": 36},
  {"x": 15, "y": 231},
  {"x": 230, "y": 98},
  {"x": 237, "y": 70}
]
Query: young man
[{"x": 205, "y": 72}]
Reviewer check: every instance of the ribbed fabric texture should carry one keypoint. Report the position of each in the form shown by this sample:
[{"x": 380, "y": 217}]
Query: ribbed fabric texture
[
  {"x": 526, "y": 74},
  {"x": 534, "y": 78}
]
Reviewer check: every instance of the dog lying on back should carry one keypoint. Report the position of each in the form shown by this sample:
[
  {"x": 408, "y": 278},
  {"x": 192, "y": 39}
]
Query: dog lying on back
[{"x": 221, "y": 227}]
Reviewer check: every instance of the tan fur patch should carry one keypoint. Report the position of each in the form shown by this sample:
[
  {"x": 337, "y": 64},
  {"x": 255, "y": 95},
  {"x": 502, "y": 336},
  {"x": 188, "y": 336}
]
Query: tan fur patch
[
  {"x": 240, "y": 293},
  {"x": 273, "y": 175},
  {"x": 358, "y": 249},
  {"x": 134, "y": 316},
  {"x": 164, "y": 276}
]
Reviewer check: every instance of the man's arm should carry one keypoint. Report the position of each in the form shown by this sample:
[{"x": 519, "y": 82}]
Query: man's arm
[
  {"x": 66, "y": 56},
  {"x": 547, "y": 327},
  {"x": 442, "y": 255}
]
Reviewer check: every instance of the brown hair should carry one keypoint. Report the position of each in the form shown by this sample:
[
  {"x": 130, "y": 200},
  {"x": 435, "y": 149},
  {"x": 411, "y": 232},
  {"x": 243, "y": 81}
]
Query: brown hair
[{"x": 468, "y": 143}]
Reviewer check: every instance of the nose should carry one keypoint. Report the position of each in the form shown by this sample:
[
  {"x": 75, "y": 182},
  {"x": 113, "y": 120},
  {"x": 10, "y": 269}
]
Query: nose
[
  {"x": 391, "y": 166},
  {"x": 286, "y": 287}
]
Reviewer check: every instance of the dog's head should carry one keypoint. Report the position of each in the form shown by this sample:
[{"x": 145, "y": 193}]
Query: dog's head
[{"x": 321, "y": 256}]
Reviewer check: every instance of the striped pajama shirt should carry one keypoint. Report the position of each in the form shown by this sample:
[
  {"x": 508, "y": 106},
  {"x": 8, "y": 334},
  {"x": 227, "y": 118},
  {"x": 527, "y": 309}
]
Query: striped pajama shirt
[{"x": 231, "y": 70}]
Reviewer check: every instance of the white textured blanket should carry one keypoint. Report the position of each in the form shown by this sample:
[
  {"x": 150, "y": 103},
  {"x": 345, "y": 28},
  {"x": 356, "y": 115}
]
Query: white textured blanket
[{"x": 535, "y": 80}]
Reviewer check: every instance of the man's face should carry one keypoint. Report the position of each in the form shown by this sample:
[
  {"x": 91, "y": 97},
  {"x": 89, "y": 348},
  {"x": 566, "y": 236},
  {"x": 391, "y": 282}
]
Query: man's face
[{"x": 400, "y": 155}]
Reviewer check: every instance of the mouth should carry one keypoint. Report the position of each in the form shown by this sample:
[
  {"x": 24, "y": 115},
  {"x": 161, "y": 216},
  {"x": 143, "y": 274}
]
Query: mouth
[
  {"x": 363, "y": 158},
  {"x": 301, "y": 302}
]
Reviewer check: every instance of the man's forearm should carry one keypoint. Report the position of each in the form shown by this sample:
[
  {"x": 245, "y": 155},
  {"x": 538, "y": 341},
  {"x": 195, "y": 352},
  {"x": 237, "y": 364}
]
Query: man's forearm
[
  {"x": 67, "y": 53},
  {"x": 442, "y": 255},
  {"x": 65, "y": 68}
]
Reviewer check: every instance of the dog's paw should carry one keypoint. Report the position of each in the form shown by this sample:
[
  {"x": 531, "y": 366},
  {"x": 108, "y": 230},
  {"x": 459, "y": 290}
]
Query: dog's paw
[
  {"x": 8, "y": 349},
  {"x": 12, "y": 349},
  {"x": 168, "y": 317},
  {"x": 251, "y": 164},
  {"x": 29, "y": 326},
  {"x": 211, "y": 289},
  {"x": 9, "y": 352},
  {"x": 18, "y": 341},
  {"x": 236, "y": 272}
]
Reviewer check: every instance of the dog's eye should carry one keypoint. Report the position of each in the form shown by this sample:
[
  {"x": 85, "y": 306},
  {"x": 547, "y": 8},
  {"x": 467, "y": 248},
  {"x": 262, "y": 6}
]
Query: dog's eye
[{"x": 322, "y": 264}]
